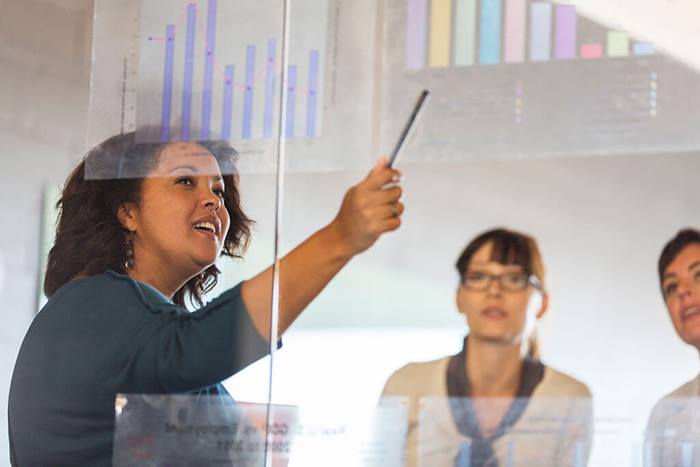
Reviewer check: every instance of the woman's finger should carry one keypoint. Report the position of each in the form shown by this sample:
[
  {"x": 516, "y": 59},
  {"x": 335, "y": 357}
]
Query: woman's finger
[
  {"x": 391, "y": 210},
  {"x": 378, "y": 177}
]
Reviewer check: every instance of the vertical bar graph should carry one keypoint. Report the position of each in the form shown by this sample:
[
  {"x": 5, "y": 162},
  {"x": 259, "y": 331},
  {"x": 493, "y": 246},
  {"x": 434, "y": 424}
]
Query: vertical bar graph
[
  {"x": 189, "y": 72},
  {"x": 641, "y": 49},
  {"x": 211, "y": 84},
  {"x": 515, "y": 31},
  {"x": 227, "y": 113},
  {"x": 268, "y": 112},
  {"x": 249, "y": 88},
  {"x": 465, "y": 32},
  {"x": 291, "y": 100},
  {"x": 490, "y": 32},
  {"x": 618, "y": 44},
  {"x": 210, "y": 49},
  {"x": 591, "y": 51},
  {"x": 416, "y": 33},
  {"x": 540, "y": 31},
  {"x": 565, "y": 45},
  {"x": 440, "y": 33},
  {"x": 313, "y": 92},
  {"x": 167, "y": 83}
]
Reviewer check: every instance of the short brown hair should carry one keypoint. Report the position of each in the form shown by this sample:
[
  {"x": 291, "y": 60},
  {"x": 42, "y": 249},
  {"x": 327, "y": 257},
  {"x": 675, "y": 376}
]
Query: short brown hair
[
  {"x": 90, "y": 239},
  {"x": 674, "y": 246}
]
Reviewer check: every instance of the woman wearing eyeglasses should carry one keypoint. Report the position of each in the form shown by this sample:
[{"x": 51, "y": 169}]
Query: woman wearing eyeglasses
[{"x": 495, "y": 403}]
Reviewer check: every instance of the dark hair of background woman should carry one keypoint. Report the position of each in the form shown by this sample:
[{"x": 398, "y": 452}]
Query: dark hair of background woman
[
  {"x": 508, "y": 247},
  {"x": 674, "y": 246},
  {"x": 89, "y": 237}
]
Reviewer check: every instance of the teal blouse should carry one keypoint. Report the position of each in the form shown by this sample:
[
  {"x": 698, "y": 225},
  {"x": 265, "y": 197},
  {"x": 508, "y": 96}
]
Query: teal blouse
[{"x": 108, "y": 334}]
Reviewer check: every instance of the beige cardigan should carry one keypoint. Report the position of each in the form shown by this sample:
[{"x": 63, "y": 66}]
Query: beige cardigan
[
  {"x": 673, "y": 431},
  {"x": 554, "y": 431}
]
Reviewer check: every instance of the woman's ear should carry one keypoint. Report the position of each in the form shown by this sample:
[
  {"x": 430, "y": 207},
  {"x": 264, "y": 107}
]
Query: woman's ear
[{"x": 126, "y": 213}]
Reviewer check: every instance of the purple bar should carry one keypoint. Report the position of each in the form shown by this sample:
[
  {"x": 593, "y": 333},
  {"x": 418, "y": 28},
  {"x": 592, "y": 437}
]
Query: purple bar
[
  {"x": 167, "y": 83},
  {"x": 291, "y": 100},
  {"x": 248, "y": 99},
  {"x": 565, "y": 47},
  {"x": 210, "y": 48},
  {"x": 227, "y": 114},
  {"x": 416, "y": 33},
  {"x": 313, "y": 94},
  {"x": 269, "y": 88},
  {"x": 189, "y": 71}
]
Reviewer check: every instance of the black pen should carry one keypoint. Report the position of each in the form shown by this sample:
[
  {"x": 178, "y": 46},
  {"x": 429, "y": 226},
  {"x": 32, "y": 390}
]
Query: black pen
[{"x": 420, "y": 105}]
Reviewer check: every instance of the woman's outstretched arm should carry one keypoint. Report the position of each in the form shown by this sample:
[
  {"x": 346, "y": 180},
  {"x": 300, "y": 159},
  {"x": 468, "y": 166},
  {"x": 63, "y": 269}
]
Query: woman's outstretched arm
[{"x": 369, "y": 209}]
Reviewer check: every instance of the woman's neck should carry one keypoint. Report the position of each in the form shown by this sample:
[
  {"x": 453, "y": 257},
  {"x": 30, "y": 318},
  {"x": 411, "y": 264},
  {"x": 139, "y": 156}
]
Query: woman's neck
[
  {"x": 159, "y": 280},
  {"x": 493, "y": 369}
]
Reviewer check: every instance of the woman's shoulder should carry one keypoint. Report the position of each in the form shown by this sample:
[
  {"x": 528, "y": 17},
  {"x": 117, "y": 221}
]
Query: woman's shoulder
[
  {"x": 416, "y": 376},
  {"x": 104, "y": 291},
  {"x": 556, "y": 383}
]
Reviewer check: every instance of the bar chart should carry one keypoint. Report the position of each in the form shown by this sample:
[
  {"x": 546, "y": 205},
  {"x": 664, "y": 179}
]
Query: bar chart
[
  {"x": 212, "y": 69},
  {"x": 444, "y": 33},
  {"x": 530, "y": 79}
]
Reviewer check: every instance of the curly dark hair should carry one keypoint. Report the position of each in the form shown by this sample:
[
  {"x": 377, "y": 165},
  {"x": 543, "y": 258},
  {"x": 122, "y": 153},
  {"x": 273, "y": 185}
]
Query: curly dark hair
[{"x": 90, "y": 238}]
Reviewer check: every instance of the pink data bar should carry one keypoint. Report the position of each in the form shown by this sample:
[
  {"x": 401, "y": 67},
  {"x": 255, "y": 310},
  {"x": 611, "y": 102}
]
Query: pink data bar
[
  {"x": 515, "y": 26},
  {"x": 592, "y": 51}
]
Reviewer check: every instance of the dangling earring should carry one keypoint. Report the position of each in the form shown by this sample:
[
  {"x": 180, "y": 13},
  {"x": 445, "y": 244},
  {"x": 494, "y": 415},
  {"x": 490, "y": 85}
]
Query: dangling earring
[{"x": 130, "y": 263}]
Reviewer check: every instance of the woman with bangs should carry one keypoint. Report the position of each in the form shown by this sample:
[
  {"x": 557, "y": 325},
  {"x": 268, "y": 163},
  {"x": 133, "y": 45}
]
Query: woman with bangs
[
  {"x": 140, "y": 229},
  {"x": 495, "y": 402}
]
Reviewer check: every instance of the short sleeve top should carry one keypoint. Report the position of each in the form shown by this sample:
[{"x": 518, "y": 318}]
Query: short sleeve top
[{"x": 108, "y": 334}]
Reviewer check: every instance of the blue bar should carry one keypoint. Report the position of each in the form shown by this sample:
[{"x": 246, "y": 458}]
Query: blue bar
[
  {"x": 578, "y": 459},
  {"x": 269, "y": 88},
  {"x": 248, "y": 99},
  {"x": 464, "y": 455},
  {"x": 509, "y": 455},
  {"x": 313, "y": 94},
  {"x": 642, "y": 49},
  {"x": 291, "y": 100},
  {"x": 210, "y": 48},
  {"x": 189, "y": 71},
  {"x": 687, "y": 453},
  {"x": 490, "y": 31},
  {"x": 227, "y": 114},
  {"x": 167, "y": 83},
  {"x": 540, "y": 31}
]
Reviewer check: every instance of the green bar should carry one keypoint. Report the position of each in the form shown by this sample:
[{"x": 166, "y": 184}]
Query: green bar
[
  {"x": 618, "y": 44},
  {"x": 465, "y": 32}
]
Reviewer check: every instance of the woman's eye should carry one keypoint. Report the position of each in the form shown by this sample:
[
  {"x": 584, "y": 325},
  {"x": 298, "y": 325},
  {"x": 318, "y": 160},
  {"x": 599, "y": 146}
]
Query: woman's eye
[
  {"x": 670, "y": 289},
  {"x": 185, "y": 181},
  {"x": 219, "y": 192},
  {"x": 697, "y": 276}
]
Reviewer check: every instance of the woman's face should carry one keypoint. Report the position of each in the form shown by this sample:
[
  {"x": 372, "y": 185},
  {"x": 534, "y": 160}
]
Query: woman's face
[
  {"x": 497, "y": 314},
  {"x": 681, "y": 287},
  {"x": 181, "y": 221}
]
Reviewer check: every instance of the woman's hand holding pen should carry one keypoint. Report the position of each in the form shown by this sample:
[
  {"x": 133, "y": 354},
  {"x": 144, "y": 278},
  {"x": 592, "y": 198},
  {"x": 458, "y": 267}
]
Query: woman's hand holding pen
[{"x": 369, "y": 209}]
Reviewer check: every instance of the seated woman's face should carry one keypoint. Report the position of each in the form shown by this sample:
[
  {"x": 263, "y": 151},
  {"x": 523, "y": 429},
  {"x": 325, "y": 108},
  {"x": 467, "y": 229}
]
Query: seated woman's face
[
  {"x": 681, "y": 287},
  {"x": 181, "y": 221},
  {"x": 496, "y": 310}
]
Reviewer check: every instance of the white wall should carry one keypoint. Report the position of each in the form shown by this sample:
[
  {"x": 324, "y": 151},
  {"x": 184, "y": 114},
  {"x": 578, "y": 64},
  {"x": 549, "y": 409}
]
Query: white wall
[{"x": 44, "y": 71}]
